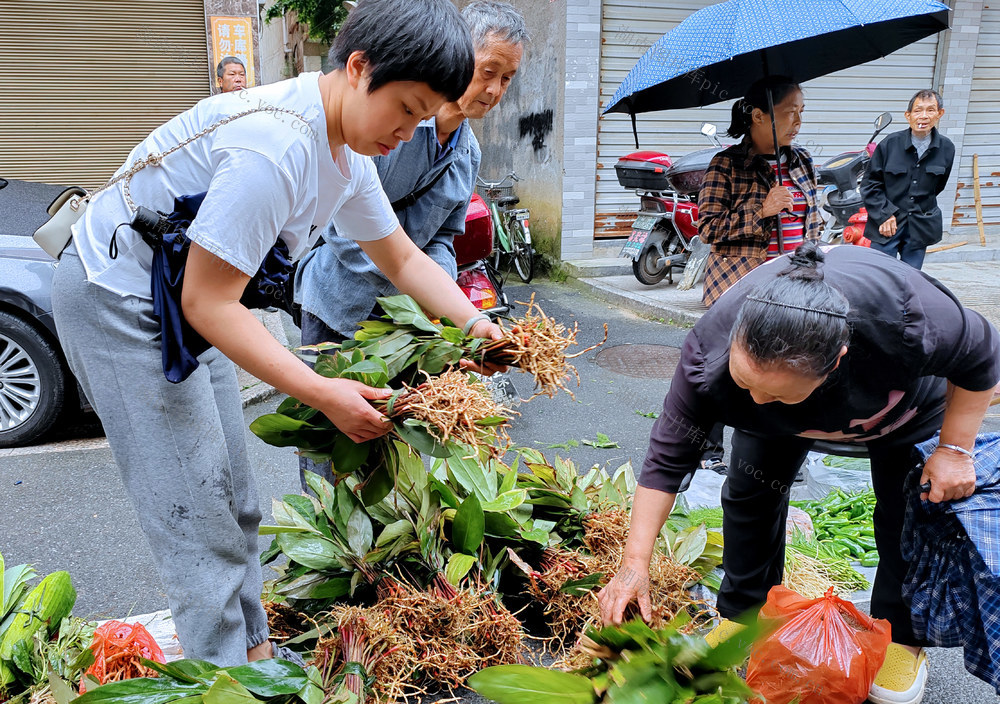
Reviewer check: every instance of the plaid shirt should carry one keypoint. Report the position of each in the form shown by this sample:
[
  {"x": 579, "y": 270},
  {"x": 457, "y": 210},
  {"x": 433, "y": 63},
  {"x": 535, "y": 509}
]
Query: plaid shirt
[
  {"x": 729, "y": 205},
  {"x": 953, "y": 583}
]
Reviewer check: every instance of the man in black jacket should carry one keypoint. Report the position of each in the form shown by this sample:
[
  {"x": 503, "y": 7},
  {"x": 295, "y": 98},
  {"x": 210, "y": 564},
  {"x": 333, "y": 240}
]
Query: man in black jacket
[{"x": 907, "y": 171}]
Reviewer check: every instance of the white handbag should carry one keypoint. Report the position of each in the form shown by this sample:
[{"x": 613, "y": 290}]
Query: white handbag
[{"x": 66, "y": 209}]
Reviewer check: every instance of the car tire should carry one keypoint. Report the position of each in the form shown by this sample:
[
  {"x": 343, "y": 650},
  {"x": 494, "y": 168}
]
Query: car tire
[{"x": 32, "y": 382}]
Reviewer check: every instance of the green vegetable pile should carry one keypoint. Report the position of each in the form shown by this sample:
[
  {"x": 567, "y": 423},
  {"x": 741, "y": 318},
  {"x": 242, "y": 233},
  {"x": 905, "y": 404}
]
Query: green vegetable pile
[
  {"x": 843, "y": 524},
  {"x": 632, "y": 664},
  {"x": 274, "y": 681},
  {"x": 41, "y": 644}
]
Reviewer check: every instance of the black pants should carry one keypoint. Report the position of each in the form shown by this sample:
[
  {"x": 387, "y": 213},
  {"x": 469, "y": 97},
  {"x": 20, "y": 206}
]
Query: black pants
[
  {"x": 712, "y": 446},
  {"x": 909, "y": 251},
  {"x": 755, "y": 508}
]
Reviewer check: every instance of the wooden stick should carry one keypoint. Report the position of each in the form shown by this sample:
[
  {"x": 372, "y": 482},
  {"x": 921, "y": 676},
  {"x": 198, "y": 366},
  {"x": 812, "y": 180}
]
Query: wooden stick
[
  {"x": 978, "y": 199},
  {"x": 946, "y": 246}
]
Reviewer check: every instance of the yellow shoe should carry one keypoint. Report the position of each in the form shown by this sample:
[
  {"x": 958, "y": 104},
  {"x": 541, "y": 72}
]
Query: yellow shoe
[
  {"x": 724, "y": 631},
  {"x": 902, "y": 678}
]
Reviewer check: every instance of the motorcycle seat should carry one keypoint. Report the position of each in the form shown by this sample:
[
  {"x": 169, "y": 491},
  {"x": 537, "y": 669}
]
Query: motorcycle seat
[{"x": 508, "y": 201}]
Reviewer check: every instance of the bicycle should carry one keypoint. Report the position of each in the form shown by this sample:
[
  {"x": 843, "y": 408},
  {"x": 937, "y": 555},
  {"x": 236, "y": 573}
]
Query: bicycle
[{"x": 511, "y": 225}]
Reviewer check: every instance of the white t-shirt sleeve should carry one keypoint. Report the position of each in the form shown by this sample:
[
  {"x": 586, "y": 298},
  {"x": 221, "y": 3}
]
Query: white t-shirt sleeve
[
  {"x": 366, "y": 213},
  {"x": 249, "y": 201}
]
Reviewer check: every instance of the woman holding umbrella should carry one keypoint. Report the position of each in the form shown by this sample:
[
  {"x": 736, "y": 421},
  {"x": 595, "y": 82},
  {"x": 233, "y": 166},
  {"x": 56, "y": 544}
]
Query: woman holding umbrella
[
  {"x": 744, "y": 195},
  {"x": 848, "y": 346}
]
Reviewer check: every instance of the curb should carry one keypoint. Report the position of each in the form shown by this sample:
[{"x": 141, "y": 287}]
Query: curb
[{"x": 634, "y": 303}]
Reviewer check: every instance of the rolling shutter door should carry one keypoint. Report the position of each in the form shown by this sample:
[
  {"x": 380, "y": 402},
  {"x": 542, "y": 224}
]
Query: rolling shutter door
[
  {"x": 83, "y": 82},
  {"x": 840, "y": 108},
  {"x": 981, "y": 129}
]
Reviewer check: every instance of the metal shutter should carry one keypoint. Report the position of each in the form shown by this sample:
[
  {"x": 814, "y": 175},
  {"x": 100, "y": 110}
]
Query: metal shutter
[
  {"x": 840, "y": 108},
  {"x": 981, "y": 129},
  {"x": 83, "y": 82}
]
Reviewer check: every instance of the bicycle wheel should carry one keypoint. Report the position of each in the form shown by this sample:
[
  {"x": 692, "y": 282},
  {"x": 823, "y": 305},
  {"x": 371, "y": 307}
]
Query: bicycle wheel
[{"x": 521, "y": 251}]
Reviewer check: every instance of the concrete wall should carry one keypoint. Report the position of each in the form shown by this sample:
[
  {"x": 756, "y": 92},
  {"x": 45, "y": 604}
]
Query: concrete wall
[
  {"x": 525, "y": 132},
  {"x": 583, "y": 62},
  {"x": 274, "y": 48},
  {"x": 956, "y": 61},
  {"x": 234, "y": 8}
]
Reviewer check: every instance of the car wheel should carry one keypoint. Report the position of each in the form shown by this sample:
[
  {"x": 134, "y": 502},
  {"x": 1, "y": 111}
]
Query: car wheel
[{"x": 32, "y": 382}]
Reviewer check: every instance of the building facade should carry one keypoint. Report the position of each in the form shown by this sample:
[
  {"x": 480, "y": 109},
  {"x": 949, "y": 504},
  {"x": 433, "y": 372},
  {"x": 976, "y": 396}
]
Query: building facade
[{"x": 602, "y": 40}]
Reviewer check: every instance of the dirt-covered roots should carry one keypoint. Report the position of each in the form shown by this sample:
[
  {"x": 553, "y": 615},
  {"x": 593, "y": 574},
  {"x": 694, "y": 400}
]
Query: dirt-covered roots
[
  {"x": 537, "y": 344},
  {"x": 569, "y": 614},
  {"x": 413, "y": 641},
  {"x": 455, "y": 407}
]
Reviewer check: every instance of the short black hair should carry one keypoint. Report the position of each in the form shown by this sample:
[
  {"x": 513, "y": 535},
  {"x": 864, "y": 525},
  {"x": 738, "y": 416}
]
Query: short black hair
[
  {"x": 926, "y": 94},
  {"x": 426, "y": 41},
  {"x": 226, "y": 60}
]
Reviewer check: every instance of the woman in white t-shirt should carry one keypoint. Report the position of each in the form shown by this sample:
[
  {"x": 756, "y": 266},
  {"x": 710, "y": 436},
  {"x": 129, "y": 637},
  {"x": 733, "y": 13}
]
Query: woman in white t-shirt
[{"x": 283, "y": 174}]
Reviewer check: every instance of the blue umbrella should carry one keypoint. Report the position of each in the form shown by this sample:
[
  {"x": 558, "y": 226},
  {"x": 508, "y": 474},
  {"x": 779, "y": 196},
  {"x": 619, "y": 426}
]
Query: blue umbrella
[{"x": 718, "y": 52}]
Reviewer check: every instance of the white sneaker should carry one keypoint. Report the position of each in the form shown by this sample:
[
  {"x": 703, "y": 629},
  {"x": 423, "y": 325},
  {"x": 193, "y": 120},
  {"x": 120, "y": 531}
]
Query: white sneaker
[{"x": 902, "y": 679}]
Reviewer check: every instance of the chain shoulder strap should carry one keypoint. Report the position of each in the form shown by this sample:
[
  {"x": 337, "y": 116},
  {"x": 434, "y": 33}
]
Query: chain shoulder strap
[{"x": 155, "y": 159}]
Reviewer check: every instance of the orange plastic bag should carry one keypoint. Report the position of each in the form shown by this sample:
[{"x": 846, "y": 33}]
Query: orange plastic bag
[
  {"x": 820, "y": 651},
  {"x": 117, "y": 648}
]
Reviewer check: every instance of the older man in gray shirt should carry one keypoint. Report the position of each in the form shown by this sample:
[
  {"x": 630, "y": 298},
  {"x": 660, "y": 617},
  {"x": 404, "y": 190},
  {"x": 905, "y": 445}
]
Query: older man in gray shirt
[{"x": 429, "y": 181}]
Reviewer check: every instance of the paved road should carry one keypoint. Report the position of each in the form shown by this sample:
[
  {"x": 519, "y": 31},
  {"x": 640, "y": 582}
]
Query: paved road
[{"x": 65, "y": 509}]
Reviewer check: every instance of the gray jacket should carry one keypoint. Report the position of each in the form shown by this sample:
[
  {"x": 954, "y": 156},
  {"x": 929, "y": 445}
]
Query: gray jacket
[{"x": 338, "y": 283}]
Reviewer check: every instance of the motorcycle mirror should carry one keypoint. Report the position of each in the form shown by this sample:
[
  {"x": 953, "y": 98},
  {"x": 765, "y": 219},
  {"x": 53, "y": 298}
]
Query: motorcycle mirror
[
  {"x": 883, "y": 121},
  {"x": 708, "y": 129}
]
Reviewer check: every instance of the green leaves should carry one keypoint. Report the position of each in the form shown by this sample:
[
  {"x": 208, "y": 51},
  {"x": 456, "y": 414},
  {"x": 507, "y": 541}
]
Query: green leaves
[
  {"x": 193, "y": 680},
  {"x": 602, "y": 442},
  {"x": 313, "y": 551},
  {"x": 583, "y": 586},
  {"x": 405, "y": 311},
  {"x": 523, "y": 684},
  {"x": 278, "y": 429},
  {"x": 468, "y": 527},
  {"x": 458, "y": 566},
  {"x": 359, "y": 532}
]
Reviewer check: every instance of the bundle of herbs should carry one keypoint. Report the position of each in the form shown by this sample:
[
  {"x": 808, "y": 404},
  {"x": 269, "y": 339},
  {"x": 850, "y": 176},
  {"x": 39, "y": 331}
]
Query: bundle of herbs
[
  {"x": 414, "y": 642},
  {"x": 410, "y": 342},
  {"x": 537, "y": 344},
  {"x": 566, "y": 581},
  {"x": 632, "y": 663},
  {"x": 454, "y": 538},
  {"x": 432, "y": 417}
]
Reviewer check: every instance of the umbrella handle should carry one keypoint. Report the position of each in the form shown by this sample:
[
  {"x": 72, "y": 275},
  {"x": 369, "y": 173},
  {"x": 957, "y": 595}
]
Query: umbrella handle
[{"x": 777, "y": 160}]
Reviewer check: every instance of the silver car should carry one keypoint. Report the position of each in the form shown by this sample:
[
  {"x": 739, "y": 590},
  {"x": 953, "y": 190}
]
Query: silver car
[{"x": 37, "y": 391}]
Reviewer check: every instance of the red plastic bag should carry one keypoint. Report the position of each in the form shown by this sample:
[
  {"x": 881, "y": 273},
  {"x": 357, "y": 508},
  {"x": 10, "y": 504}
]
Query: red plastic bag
[
  {"x": 117, "y": 648},
  {"x": 821, "y": 651}
]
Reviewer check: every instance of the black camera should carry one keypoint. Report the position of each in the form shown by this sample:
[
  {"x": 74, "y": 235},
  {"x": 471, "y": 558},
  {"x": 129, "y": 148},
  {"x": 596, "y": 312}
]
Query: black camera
[{"x": 151, "y": 225}]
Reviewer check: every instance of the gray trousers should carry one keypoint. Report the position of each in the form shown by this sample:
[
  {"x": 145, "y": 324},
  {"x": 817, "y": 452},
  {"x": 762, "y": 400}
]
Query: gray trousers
[{"x": 181, "y": 452}]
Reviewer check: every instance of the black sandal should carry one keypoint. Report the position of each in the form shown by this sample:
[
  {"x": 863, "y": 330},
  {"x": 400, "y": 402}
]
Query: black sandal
[{"x": 716, "y": 465}]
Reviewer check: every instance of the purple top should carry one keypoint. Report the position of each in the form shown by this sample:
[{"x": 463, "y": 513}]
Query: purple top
[{"x": 908, "y": 335}]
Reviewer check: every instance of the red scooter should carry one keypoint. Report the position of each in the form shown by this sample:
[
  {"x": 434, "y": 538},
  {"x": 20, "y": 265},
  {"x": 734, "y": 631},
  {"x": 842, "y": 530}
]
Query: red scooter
[
  {"x": 483, "y": 285},
  {"x": 842, "y": 175},
  {"x": 477, "y": 277},
  {"x": 667, "y": 222}
]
